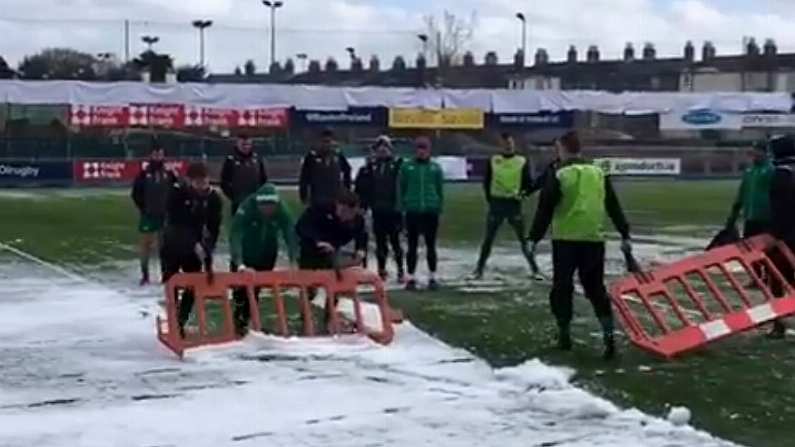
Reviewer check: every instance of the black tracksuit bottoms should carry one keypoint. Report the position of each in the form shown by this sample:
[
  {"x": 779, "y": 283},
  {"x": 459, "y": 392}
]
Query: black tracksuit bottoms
[
  {"x": 387, "y": 226},
  {"x": 427, "y": 225},
  {"x": 588, "y": 260},
  {"x": 174, "y": 263}
]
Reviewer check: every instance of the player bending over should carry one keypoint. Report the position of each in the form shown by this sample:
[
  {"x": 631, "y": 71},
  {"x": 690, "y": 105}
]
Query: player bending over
[
  {"x": 322, "y": 234},
  {"x": 254, "y": 235},
  {"x": 193, "y": 221}
]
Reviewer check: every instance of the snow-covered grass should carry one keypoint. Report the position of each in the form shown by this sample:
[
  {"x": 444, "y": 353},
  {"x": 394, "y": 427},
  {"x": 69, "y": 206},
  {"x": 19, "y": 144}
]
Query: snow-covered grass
[
  {"x": 81, "y": 367},
  {"x": 739, "y": 389}
]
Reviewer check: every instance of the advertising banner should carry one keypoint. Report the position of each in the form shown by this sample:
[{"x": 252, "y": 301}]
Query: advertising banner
[
  {"x": 354, "y": 116},
  {"x": 117, "y": 171},
  {"x": 531, "y": 120},
  {"x": 460, "y": 119},
  {"x": 37, "y": 172},
  {"x": 701, "y": 120},
  {"x": 99, "y": 116},
  {"x": 167, "y": 116},
  {"x": 235, "y": 118},
  {"x": 768, "y": 120},
  {"x": 640, "y": 166}
]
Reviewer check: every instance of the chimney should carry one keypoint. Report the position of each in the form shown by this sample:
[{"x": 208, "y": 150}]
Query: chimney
[
  {"x": 649, "y": 52},
  {"x": 469, "y": 59},
  {"x": 770, "y": 49},
  {"x": 593, "y": 54},
  {"x": 629, "y": 52},
  {"x": 491, "y": 58},
  {"x": 572, "y": 56},
  {"x": 518, "y": 59},
  {"x": 690, "y": 52},
  {"x": 708, "y": 53},
  {"x": 752, "y": 48},
  {"x": 542, "y": 57}
]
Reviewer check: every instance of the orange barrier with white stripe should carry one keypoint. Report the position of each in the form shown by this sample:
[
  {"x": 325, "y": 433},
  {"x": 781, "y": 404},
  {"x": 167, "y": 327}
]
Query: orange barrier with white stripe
[
  {"x": 665, "y": 312},
  {"x": 346, "y": 285}
]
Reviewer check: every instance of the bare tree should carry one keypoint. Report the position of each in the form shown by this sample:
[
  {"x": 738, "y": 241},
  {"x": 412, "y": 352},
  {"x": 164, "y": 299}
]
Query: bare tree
[{"x": 447, "y": 37}]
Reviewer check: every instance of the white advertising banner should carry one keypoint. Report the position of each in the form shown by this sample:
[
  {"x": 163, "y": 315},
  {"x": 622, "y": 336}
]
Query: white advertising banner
[
  {"x": 769, "y": 120},
  {"x": 701, "y": 120},
  {"x": 640, "y": 166},
  {"x": 455, "y": 168}
]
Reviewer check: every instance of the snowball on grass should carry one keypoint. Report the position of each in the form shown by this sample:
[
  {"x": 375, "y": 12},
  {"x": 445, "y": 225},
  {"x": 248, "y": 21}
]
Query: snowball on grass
[{"x": 679, "y": 416}]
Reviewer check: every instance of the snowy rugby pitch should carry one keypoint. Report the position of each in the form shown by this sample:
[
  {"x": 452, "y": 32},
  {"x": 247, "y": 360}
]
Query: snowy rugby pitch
[{"x": 81, "y": 367}]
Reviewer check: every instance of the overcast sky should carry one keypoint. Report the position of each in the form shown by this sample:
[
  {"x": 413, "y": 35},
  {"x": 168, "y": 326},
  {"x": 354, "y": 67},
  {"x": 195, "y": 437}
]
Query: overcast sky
[{"x": 322, "y": 28}]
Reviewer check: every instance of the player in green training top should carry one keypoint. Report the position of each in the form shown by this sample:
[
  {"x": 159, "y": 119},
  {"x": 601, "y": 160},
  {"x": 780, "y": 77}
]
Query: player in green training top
[
  {"x": 254, "y": 234},
  {"x": 753, "y": 198}
]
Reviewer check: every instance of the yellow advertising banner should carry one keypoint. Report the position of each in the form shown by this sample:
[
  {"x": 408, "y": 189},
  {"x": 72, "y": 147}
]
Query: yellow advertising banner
[{"x": 436, "y": 119}]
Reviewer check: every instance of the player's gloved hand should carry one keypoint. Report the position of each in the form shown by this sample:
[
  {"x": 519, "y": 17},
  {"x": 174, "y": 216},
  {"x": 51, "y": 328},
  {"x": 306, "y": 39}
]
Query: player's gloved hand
[
  {"x": 626, "y": 245},
  {"x": 325, "y": 247}
]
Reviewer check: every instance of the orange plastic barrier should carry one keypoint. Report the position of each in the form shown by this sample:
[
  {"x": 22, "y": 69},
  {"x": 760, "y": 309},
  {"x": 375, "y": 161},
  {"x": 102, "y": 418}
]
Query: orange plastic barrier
[
  {"x": 665, "y": 312},
  {"x": 277, "y": 282}
]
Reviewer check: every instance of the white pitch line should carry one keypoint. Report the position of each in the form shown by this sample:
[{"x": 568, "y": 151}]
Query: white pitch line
[{"x": 42, "y": 262}]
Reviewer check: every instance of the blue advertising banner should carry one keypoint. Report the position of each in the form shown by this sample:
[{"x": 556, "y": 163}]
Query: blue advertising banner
[
  {"x": 354, "y": 116},
  {"x": 13, "y": 173},
  {"x": 531, "y": 120}
]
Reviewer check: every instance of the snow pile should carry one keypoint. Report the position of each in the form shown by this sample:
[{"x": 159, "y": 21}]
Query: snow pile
[{"x": 81, "y": 367}]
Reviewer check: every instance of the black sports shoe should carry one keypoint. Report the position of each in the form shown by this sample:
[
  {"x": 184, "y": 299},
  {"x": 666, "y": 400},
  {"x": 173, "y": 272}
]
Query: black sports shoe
[
  {"x": 433, "y": 285},
  {"x": 411, "y": 285}
]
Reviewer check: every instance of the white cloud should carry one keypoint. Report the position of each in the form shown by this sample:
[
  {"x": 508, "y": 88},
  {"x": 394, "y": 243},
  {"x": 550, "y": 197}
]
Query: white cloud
[{"x": 386, "y": 27}]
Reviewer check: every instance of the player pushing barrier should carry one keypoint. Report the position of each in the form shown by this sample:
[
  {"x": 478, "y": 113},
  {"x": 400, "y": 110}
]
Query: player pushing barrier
[
  {"x": 150, "y": 194},
  {"x": 254, "y": 235},
  {"x": 575, "y": 201},
  {"x": 322, "y": 233},
  {"x": 191, "y": 232}
]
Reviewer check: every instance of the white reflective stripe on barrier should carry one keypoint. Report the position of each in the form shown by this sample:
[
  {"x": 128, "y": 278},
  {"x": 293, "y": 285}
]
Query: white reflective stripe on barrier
[
  {"x": 715, "y": 329},
  {"x": 760, "y": 314}
]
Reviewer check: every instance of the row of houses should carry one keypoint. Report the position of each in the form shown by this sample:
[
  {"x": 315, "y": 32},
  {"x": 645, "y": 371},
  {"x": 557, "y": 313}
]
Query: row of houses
[{"x": 759, "y": 69}]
